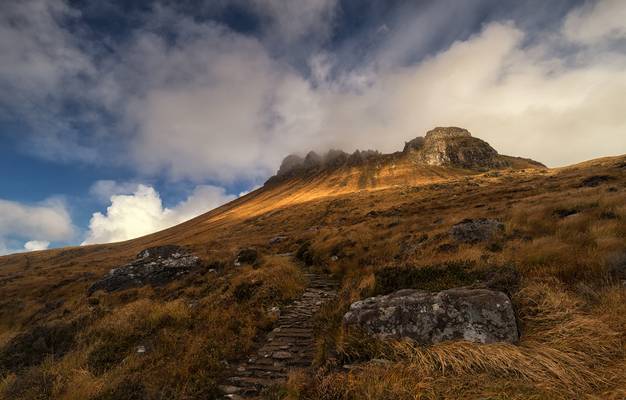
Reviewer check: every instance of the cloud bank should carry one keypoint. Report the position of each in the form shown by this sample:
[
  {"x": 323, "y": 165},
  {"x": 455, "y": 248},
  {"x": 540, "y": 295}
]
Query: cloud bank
[
  {"x": 37, "y": 225},
  {"x": 142, "y": 212}
]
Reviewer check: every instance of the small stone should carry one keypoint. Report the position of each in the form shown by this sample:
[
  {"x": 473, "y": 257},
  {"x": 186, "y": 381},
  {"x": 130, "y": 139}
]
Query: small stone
[
  {"x": 228, "y": 389},
  {"x": 277, "y": 239},
  {"x": 246, "y": 256},
  {"x": 141, "y": 349},
  {"x": 281, "y": 355}
]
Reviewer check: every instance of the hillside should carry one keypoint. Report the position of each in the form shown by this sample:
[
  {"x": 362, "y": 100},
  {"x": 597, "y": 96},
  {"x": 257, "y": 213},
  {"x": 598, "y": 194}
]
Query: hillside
[{"x": 351, "y": 226}]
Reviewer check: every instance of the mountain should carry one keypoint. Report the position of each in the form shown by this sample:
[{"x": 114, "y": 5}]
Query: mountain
[
  {"x": 252, "y": 298},
  {"x": 443, "y": 151}
]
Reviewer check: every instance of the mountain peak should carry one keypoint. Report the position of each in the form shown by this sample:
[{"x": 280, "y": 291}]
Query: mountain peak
[
  {"x": 450, "y": 147},
  {"x": 455, "y": 147}
]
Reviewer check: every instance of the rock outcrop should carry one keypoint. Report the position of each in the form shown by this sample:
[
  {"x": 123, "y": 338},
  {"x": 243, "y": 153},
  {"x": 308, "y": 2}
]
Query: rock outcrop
[
  {"x": 154, "y": 266},
  {"x": 455, "y": 147},
  {"x": 246, "y": 256},
  {"x": 476, "y": 315},
  {"x": 473, "y": 231}
]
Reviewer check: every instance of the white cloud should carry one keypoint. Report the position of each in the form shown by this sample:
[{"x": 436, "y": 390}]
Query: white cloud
[
  {"x": 142, "y": 212},
  {"x": 34, "y": 245},
  {"x": 47, "y": 221},
  {"x": 215, "y": 103},
  {"x": 36, "y": 224},
  {"x": 38, "y": 54},
  {"x": 596, "y": 21}
]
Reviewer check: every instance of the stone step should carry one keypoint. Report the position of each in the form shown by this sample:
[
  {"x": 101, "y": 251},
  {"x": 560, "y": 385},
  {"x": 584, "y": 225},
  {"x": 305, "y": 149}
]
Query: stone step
[
  {"x": 245, "y": 381},
  {"x": 289, "y": 346}
]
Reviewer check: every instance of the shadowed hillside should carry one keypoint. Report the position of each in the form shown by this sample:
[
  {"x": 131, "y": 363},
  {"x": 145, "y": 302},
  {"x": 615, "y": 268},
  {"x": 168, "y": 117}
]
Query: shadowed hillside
[{"x": 371, "y": 223}]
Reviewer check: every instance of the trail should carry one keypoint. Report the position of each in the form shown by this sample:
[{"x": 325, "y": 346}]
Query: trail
[{"x": 291, "y": 345}]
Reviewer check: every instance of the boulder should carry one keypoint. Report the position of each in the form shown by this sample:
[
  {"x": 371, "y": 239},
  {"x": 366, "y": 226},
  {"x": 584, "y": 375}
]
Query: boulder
[
  {"x": 155, "y": 266},
  {"x": 247, "y": 256},
  {"x": 476, "y": 315},
  {"x": 476, "y": 230}
]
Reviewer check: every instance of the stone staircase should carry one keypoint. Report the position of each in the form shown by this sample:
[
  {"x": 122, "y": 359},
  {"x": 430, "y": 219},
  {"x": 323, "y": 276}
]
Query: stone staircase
[{"x": 291, "y": 345}]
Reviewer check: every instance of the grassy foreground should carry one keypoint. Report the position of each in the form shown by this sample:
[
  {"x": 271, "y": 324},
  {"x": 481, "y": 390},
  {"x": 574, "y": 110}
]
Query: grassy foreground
[{"x": 561, "y": 258}]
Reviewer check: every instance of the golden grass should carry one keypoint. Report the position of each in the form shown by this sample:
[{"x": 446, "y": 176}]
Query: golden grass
[{"x": 570, "y": 303}]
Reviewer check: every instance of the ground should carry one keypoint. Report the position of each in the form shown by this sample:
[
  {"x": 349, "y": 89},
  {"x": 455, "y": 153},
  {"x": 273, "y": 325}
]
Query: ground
[{"x": 561, "y": 257}]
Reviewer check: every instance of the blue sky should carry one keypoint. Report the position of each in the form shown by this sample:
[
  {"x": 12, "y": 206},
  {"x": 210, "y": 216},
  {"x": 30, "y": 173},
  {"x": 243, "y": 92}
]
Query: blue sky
[{"x": 121, "y": 118}]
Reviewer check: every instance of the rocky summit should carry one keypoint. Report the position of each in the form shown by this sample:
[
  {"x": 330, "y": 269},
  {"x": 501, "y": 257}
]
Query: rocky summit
[
  {"x": 455, "y": 147},
  {"x": 475, "y": 315},
  {"x": 442, "y": 146}
]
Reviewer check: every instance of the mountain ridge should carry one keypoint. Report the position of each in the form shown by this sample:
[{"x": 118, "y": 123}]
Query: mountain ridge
[{"x": 442, "y": 146}]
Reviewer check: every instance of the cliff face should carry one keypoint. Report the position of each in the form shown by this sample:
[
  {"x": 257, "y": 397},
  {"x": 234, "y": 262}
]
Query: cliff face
[{"x": 455, "y": 147}]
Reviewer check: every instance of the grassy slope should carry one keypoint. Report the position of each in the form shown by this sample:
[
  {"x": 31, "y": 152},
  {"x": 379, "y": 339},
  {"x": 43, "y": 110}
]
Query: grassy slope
[{"x": 56, "y": 342}]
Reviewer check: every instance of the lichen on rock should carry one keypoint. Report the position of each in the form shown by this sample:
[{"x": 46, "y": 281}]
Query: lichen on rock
[
  {"x": 476, "y": 315},
  {"x": 155, "y": 266}
]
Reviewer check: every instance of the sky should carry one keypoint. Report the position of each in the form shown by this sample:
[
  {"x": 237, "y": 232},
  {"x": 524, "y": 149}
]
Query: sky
[{"x": 118, "y": 119}]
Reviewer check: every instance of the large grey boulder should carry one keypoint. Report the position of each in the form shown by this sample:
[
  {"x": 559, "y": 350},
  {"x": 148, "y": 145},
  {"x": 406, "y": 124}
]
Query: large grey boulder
[
  {"x": 155, "y": 266},
  {"x": 476, "y": 315}
]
